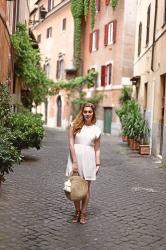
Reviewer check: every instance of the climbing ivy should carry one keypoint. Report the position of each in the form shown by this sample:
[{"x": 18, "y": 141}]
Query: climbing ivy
[
  {"x": 86, "y": 7},
  {"x": 80, "y": 9},
  {"x": 77, "y": 9},
  {"x": 93, "y": 11},
  {"x": 74, "y": 84},
  {"x": 114, "y": 3},
  {"x": 27, "y": 66}
]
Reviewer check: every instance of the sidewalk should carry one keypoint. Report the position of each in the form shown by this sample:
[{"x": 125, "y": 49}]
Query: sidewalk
[{"x": 126, "y": 211}]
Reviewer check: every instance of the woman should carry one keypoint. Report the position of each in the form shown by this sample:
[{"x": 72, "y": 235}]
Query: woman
[{"x": 84, "y": 159}]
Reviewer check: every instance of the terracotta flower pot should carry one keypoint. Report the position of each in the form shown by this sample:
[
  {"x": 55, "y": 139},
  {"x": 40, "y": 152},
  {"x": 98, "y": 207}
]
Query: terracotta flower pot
[
  {"x": 144, "y": 149},
  {"x": 135, "y": 145},
  {"x": 131, "y": 143}
]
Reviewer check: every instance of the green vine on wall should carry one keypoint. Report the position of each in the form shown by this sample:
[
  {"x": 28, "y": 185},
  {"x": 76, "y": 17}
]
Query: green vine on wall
[
  {"x": 80, "y": 8},
  {"x": 77, "y": 9},
  {"x": 27, "y": 66},
  {"x": 114, "y": 3},
  {"x": 86, "y": 8},
  {"x": 93, "y": 12}
]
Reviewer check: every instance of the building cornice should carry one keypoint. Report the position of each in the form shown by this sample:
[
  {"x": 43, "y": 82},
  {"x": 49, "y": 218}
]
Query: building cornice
[{"x": 54, "y": 10}]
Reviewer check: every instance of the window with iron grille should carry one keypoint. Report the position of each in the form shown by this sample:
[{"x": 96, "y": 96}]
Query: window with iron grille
[
  {"x": 39, "y": 38},
  {"x": 148, "y": 25},
  {"x": 49, "y": 32},
  {"x": 139, "y": 38},
  {"x": 165, "y": 12},
  {"x": 64, "y": 24}
]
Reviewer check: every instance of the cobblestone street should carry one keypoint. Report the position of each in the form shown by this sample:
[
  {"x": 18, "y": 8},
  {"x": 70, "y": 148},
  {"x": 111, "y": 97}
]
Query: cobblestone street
[{"x": 127, "y": 208}]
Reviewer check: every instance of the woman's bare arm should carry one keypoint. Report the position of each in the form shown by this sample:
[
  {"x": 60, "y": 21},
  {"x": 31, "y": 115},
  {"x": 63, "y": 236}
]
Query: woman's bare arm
[
  {"x": 97, "y": 153},
  {"x": 72, "y": 150}
]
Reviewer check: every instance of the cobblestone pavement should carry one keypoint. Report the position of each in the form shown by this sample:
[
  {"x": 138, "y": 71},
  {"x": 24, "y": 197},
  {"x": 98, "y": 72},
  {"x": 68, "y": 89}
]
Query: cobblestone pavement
[{"x": 127, "y": 210}]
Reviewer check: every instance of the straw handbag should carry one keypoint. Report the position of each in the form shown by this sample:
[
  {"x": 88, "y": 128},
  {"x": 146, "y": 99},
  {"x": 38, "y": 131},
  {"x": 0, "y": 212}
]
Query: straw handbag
[{"x": 75, "y": 188}]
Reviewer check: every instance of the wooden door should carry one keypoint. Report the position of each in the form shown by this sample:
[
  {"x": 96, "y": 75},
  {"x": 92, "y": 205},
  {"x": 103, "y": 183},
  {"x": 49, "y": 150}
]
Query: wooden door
[
  {"x": 59, "y": 111},
  {"x": 107, "y": 120}
]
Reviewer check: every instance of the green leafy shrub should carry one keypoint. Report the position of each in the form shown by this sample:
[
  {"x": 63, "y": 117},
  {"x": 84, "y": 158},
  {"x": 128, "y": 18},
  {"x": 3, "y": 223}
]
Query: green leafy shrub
[
  {"x": 27, "y": 129},
  {"x": 4, "y": 104},
  {"x": 8, "y": 153}
]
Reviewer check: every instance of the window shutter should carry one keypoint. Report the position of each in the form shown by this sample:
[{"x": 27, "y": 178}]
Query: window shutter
[
  {"x": 106, "y": 35},
  {"x": 57, "y": 69},
  {"x": 90, "y": 42},
  {"x": 114, "y": 30},
  {"x": 97, "y": 5},
  {"x": 107, "y": 2},
  {"x": 110, "y": 74},
  {"x": 97, "y": 39},
  {"x": 103, "y": 75}
]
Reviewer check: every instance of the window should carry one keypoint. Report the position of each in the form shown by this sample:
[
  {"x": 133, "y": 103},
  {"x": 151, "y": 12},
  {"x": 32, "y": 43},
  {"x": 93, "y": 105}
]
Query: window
[
  {"x": 49, "y": 32},
  {"x": 103, "y": 75},
  {"x": 60, "y": 69},
  {"x": 64, "y": 24},
  {"x": 165, "y": 12},
  {"x": 50, "y": 4},
  {"x": 139, "y": 38},
  {"x": 47, "y": 69},
  {"x": 94, "y": 41},
  {"x": 106, "y": 74},
  {"x": 148, "y": 25},
  {"x": 110, "y": 33},
  {"x": 107, "y": 2},
  {"x": 109, "y": 74},
  {"x": 39, "y": 38},
  {"x": 97, "y": 4}
]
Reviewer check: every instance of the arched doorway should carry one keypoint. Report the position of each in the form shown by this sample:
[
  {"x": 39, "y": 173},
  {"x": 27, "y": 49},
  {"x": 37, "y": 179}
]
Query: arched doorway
[{"x": 59, "y": 111}]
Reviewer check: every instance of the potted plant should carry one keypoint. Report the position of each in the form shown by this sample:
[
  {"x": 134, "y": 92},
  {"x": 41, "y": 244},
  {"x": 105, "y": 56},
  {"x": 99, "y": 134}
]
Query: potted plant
[{"x": 144, "y": 148}]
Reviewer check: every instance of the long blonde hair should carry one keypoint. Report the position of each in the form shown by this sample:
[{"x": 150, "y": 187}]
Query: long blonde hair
[{"x": 79, "y": 120}]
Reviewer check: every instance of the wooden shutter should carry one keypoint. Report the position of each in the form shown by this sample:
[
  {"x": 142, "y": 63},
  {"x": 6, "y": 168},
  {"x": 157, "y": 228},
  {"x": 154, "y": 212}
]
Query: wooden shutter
[
  {"x": 57, "y": 69},
  {"x": 114, "y": 30},
  {"x": 103, "y": 75},
  {"x": 90, "y": 42},
  {"x": 97, "y": 5},
  {"x": 107, "y": 2},
  {"x": 106, "y": 35},
  {"x": 110, "y": 74},
  {"x": 97, "y": 39}
]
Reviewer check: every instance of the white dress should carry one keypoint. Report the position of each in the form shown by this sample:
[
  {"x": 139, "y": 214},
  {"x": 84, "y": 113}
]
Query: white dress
[{"x": 85, "y": 153}]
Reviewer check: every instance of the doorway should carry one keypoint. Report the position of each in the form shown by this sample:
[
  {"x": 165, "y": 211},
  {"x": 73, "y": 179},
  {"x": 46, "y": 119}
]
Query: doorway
[
  {"x": 163, "y": 93},
  {"x": 107, "y": 120},
  {"x": 59, "y": 111}
]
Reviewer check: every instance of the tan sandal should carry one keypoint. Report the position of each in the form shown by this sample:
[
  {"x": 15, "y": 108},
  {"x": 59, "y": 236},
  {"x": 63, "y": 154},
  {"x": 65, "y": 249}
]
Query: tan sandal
[
  {"x": 83, "y": 218},
  {"x": 76, "y": 217}
]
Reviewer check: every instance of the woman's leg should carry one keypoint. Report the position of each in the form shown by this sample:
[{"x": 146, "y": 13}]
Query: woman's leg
[
  {"x": 77, "y": 205},
  {"x": 76, "y": 216},
  {"x": 85, "y": 201}
]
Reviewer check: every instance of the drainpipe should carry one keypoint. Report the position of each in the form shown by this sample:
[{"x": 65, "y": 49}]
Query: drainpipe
[
  {"x": 154, "y": 33},
  {"x": 152, "y": 68}
]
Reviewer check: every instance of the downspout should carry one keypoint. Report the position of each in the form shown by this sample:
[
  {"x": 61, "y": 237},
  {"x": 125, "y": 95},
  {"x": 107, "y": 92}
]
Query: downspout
[
  {"x": 152, "y": 69},
  {"x": 154, "y": 34}
]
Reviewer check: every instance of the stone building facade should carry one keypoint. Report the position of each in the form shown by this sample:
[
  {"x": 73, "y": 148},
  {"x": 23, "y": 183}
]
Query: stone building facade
[
  {"x": 150, "y": 69},
  {"x": 109, "y": 50}
]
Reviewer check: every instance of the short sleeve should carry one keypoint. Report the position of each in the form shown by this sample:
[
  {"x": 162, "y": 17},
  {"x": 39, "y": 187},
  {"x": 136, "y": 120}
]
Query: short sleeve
[{"x": 97, "y": 132}]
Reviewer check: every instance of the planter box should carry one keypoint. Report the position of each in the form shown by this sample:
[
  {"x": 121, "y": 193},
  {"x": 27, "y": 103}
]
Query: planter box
[
  {"x": 135, "y": 145},
  {"x": 131, "y": 143},
  {"x": 144, "y": 149}
]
